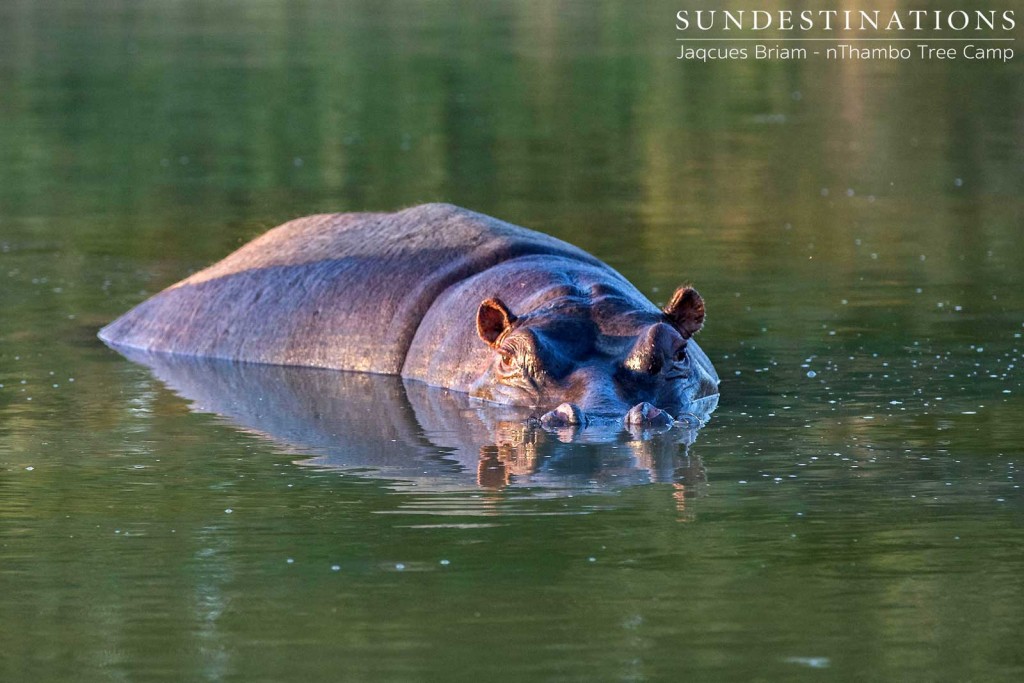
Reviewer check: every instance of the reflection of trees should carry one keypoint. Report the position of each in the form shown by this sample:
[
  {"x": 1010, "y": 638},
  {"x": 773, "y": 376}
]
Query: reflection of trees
[{"x": 577, "y": 120}]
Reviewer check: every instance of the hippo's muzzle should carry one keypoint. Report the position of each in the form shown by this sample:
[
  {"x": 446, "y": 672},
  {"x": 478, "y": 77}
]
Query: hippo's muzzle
[{"x": 571, "y": 415}]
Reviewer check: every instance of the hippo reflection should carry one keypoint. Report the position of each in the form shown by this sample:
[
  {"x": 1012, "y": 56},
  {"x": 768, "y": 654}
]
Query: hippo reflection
[
  {"x": 448, "y": 297},
  {"x": 408, "y": 431}
]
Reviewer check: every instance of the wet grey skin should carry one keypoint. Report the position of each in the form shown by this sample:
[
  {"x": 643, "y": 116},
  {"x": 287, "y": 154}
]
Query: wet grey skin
[{"x": 443, "y": 295}]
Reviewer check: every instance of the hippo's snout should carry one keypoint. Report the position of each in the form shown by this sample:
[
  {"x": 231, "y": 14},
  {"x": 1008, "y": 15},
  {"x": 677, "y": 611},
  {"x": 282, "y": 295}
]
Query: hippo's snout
[
  {"x": 565, "y": 415},
  {"x": 646, "y": 415},
  {"x": 571, "y": 415}
]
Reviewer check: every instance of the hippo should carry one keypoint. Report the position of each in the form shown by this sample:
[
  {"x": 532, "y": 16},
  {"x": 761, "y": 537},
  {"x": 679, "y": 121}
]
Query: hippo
[{"x": 447, "y": 296}]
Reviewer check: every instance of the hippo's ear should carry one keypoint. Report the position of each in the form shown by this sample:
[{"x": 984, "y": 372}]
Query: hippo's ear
[
  {"x": 492, "y": 319},
  {"x": 685, "y": 310}
]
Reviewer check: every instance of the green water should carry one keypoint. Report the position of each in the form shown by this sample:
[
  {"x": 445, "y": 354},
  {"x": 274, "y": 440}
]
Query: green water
[{"x": 853, "y": 510}]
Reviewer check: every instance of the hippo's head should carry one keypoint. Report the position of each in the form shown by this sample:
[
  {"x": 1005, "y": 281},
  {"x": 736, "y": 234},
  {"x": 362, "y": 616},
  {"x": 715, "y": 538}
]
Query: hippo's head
[{"x": 596, "y": 358}]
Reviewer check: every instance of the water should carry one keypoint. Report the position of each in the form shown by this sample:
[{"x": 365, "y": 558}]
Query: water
[{"x": 853, "y": 509}]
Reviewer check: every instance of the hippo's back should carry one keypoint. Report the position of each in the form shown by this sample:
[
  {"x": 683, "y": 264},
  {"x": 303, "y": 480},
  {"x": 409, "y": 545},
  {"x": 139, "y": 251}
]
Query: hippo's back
[{"x": 343, "y": 291}]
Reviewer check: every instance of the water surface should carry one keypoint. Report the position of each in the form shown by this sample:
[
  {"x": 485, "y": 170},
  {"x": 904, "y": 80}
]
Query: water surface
[{"x": 853, "y": 508}]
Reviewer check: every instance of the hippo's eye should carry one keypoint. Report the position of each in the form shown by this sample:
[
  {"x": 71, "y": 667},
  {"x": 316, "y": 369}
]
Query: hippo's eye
[
  {"x": 508, "y": 360},
  {"x": 680, "y": 354}
]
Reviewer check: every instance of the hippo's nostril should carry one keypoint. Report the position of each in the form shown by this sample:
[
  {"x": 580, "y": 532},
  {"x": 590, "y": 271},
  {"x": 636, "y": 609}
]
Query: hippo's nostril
[
  {"x": 646, "y": 415},
  {"x": 565, "y": 415}
]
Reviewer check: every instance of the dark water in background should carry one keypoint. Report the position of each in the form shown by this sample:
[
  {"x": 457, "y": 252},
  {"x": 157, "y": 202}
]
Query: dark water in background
[{"x": 856, "y": 228}]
